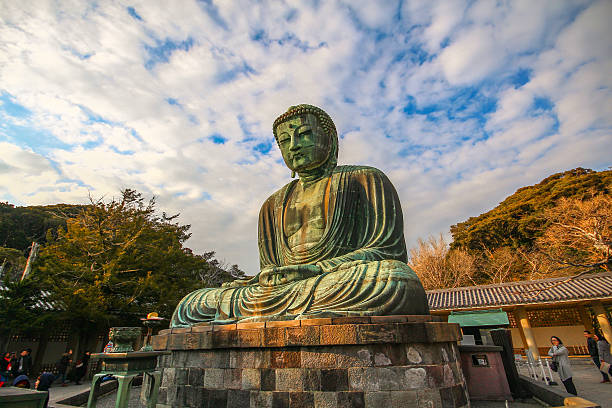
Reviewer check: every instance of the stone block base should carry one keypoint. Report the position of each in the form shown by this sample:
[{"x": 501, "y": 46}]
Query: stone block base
[{"x": 392, "y": 361}]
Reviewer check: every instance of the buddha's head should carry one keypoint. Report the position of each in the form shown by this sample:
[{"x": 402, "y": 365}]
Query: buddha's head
[{"x": 307, "y": 138}]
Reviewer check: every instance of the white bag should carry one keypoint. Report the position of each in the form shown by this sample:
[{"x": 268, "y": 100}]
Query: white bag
[{"x": 605, "y": 367}]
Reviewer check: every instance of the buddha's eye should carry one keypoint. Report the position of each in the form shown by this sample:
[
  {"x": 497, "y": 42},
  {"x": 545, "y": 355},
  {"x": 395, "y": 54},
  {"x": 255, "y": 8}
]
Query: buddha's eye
[{"x": 283, "y": 138}]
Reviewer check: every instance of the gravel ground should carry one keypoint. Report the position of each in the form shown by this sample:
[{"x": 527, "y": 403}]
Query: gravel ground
[
  {"x": 108, "y": 400},
  {"x": 528, "y": 403},
  {"x": 587, "y": 380}
]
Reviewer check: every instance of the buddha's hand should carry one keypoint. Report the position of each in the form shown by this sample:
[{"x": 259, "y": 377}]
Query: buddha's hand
[
  {"x": 279, "y": 275},
  {"x": 239, "y": 282}
]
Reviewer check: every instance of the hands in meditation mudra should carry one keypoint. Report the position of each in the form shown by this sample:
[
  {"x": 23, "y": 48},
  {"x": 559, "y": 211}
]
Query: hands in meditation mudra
[{"x": 330, "y": 244}]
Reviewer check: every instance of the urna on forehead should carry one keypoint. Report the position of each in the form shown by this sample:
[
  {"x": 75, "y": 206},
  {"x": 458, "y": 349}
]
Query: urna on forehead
[{"x": 295, "y": 122}]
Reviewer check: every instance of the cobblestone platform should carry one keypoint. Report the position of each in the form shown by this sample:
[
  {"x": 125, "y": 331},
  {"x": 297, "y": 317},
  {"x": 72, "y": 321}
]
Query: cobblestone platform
[{"x": 337, "y": 362}]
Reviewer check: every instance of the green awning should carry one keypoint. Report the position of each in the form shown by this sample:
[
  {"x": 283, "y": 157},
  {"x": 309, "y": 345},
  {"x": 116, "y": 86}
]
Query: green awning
[{"x": 474, "y": 318}]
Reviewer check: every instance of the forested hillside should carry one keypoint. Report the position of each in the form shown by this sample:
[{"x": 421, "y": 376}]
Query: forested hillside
[
  {"x": 561, "y": 226},
  {"x": 19, "y": 226},
  {"x": 519, "y": 219}
]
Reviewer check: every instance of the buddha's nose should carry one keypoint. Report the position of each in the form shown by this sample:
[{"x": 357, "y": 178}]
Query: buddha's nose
[{"x": 294, "y": 144}]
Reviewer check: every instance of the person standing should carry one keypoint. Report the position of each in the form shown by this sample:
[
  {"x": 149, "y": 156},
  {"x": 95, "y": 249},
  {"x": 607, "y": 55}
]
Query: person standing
[
  {"x": 594, "y": 353},
  {"x": 62, "y": 366},
  {"x": 13, "y": 364},
  {"x": 5, "y": 367},
  {"x": 24, "y": 364},
  {"x": 560, "y": 355},
  {"x": 603, "y": 347}
]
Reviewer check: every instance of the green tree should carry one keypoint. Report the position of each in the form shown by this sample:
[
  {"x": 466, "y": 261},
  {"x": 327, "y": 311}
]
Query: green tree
[
  {"x": 23, "y": 308},
  {"x": 118, "y": 260},
  {"x": 19, "y": 226}
]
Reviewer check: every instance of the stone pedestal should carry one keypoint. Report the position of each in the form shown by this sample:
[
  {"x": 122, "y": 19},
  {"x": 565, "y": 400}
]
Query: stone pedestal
[
  {"x": 13, "y": 397},
  {"x": 382, "y": 362}
]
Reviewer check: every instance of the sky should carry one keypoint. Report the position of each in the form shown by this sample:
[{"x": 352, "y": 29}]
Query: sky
[{"x": 460, "y": 103}]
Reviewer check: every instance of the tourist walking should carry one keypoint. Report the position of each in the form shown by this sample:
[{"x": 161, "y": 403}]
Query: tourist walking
[
  {"x": 81, "y": 368},
  {"x": 603, "y": 347},
  {"x": 62, "y": 366},
  {"x": 559, "y": 354},
  {"x": 594, "y": 353}
]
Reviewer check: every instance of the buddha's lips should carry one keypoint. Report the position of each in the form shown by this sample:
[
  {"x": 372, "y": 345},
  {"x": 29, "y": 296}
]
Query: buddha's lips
[{"x": 303, "y": 152}]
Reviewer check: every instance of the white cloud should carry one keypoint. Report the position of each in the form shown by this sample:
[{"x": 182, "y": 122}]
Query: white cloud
[
  {"x": 422, "y": 90},
  {"x": 513, "y": 103},
  {"x": 446, "y": 16}
]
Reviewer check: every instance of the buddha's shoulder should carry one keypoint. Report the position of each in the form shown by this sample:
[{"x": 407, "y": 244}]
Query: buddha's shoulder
[
  {"x": 278, "y": 194},
  {"x": 358, "y": 170}
]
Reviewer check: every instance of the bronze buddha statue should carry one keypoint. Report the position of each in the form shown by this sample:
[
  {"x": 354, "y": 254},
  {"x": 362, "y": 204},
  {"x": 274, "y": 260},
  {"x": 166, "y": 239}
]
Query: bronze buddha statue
[{"x": 331, "y": 243}]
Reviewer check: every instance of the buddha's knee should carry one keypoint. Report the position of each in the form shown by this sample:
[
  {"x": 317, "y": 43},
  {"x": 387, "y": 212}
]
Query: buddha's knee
[{"x": 395, "y": 268}]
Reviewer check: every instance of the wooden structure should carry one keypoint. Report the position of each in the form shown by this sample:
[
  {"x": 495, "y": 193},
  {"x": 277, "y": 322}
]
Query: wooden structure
[{"x": 538, "y": 309}]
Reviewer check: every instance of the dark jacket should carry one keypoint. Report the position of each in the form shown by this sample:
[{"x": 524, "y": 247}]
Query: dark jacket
[
  {"x": 44, "y": 382},
  {"x": 81, "y": 367},
  {"x": 592, "y": 346},
  {"x": 24, "y": 364},
  {"x": 62, "y": 364},
  {"x": 4, "y": 364},
  {"x": 14, "y": 363}
]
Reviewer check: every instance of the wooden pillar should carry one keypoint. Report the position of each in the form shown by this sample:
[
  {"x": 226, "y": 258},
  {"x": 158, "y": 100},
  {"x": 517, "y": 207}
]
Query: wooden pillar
[
  {"x": 526, "y": 333},
  {"x": 602, "y": 318},
  {"x": 585, "y": 315}
]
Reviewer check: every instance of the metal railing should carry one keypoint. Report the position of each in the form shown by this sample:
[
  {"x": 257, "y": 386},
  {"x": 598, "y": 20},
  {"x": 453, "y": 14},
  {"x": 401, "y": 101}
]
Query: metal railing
[{"x": 538, "y": 369}]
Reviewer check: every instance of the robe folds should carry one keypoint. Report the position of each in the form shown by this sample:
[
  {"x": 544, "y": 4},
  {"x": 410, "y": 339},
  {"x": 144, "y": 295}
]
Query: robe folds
[{"x": 362, "y": 254}]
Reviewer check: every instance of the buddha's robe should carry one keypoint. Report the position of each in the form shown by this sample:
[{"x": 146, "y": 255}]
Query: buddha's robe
[{"x": 362, "y": 254}]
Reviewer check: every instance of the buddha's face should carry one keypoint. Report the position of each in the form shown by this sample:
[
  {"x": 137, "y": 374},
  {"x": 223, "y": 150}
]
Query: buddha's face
[{"x": 303, "y": 142}]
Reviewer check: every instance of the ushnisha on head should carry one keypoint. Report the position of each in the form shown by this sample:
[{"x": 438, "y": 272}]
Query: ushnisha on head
[{"x": 307, "y": 139}]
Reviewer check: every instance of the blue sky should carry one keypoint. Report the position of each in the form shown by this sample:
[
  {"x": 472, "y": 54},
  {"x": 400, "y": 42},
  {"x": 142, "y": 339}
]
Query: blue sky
[{"x": 460, "y": 103}]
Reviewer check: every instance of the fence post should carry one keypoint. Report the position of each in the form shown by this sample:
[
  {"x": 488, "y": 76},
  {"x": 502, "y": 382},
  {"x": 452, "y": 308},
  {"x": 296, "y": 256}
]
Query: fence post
[{"x": 502, "y": 338}]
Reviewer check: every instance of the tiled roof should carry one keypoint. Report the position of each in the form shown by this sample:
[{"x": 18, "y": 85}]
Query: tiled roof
[
  {"x": 43, "y": 303},
  {"x": 593, "y": 286}
]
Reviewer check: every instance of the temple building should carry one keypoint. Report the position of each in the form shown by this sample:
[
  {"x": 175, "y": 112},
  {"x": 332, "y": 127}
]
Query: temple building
[{"x": 535, "y": 310}]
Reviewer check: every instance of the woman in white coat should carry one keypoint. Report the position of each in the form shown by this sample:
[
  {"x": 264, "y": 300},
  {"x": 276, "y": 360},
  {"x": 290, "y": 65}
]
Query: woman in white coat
[{"x": 559, "y": 354}]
